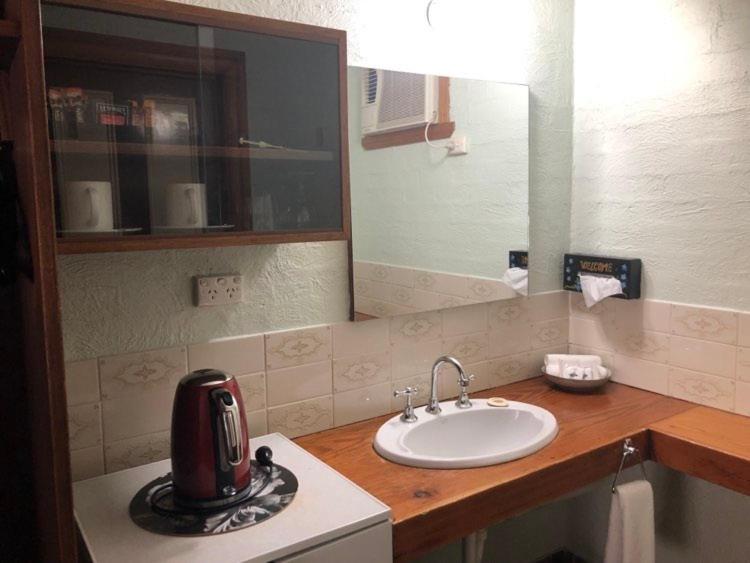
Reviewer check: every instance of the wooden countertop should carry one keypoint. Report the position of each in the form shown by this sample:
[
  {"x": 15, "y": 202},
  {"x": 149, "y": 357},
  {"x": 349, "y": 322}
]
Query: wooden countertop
[
  {"x": 432, "y": 507},
  {"x": 707, "y": 443}
]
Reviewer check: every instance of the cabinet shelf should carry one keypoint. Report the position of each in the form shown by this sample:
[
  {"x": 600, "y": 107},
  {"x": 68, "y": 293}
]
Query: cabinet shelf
[
  {"x": 10, "y": 33},
  {"x": 154, "y": 149}
]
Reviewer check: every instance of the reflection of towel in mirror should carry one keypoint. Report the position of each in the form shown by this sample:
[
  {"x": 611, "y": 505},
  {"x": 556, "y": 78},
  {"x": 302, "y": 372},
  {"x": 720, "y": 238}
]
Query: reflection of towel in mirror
[
  {"x": 517, "y": 279},
  {"x": 631, "y": 524}
]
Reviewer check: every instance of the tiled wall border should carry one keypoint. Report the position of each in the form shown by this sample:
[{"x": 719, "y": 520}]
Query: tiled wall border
[
  {"x": 698, "y": 354},
  {"x": 384, "y": 290},
  {"x": 310, "y": 379},
  {"x": 305, "y": 380}
]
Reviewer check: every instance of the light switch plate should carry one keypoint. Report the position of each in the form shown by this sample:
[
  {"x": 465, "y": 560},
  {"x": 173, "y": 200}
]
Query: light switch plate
[{"x": 224, "y": 289}]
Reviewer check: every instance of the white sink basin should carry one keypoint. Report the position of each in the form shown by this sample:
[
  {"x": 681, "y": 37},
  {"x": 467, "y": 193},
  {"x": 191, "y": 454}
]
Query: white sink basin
[{"x": 459, "y": 438}]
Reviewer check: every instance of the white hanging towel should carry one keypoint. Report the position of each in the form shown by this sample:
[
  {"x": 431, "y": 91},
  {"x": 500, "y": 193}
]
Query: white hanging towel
[{"x": 631, "y": 536}]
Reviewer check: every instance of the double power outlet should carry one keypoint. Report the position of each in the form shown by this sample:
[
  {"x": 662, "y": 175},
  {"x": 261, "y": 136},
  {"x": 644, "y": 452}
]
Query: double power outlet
[{"x": 225, "y": 289}]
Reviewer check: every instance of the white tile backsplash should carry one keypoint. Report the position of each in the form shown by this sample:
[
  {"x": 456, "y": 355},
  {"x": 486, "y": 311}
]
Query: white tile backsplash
[
  {"x": 133, "y": 375},
  {"x": 297, "y": 347},
  {"x": 707, "y": 324},
  {"x": 361, "y": 404},
  {"x": 82, "y": 382},
  {"x": 306, "y": 380},
  {"x": 305, "y": 417},
  {"x": 354, "y": 372},
  {"x": 702, "y": 388},
  {"x": 703, "y": 356},
  {"x": 236, "y": 356},
  {"x": 298, "y": 383}
]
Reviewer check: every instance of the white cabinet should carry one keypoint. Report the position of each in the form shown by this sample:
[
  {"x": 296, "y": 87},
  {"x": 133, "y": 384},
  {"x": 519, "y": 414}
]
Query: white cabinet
[
  {"x": 373, "y": 545},
  {"x": 331, "y": 520}
]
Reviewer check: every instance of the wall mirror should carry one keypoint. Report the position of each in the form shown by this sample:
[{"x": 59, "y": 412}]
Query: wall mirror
[{"x": 439, "y": 172}]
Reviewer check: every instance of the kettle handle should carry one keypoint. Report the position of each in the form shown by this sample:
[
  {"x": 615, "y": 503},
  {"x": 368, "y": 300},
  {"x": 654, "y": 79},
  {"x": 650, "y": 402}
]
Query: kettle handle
[{"x": 229, "y": 426}]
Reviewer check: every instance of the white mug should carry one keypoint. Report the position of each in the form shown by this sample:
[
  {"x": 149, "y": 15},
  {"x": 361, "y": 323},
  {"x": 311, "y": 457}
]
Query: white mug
[
  {"x": 186, "y": 205},
  {"x": 87, "y": 206}
]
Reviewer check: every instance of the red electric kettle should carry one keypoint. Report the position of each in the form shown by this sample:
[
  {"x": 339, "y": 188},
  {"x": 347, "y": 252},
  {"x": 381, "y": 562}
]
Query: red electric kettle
[{"x": 210, "y": 447}]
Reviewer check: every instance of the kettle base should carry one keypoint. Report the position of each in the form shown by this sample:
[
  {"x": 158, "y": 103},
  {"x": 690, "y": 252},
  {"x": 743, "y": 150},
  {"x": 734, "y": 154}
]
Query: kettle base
[{"x": 155, "y": 508}]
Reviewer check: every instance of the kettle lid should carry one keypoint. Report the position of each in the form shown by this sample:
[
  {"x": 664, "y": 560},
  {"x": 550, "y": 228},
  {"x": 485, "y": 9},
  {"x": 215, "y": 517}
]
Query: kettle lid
[{"x": 203, "y": 377}]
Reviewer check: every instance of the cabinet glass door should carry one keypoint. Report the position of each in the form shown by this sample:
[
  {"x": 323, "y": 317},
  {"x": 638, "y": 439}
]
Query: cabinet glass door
[
  {"x": 163, "y": 129},
  {"x": 280, "y": 108}
]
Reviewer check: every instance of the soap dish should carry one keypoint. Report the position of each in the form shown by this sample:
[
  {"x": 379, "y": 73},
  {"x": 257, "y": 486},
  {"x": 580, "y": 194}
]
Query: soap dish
[{"x": 577, "y": 384}]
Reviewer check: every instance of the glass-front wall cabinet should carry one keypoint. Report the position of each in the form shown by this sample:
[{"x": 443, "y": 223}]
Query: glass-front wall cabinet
[{"x": 162, "y": 132}]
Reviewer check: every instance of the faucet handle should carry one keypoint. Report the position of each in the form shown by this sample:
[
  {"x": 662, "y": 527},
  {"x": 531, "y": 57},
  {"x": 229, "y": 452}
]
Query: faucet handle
[
  {"x": 466, "y": 381},
  {"x": 406, "y": 392},
  {"x": 409, "y": 392}
]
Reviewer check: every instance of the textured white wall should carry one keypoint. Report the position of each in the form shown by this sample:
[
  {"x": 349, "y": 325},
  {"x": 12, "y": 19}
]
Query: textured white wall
[
  {"x": 662, "y": 143},
  {"x": 414, "y": 206},
  {"x": 511, "y": 41}
]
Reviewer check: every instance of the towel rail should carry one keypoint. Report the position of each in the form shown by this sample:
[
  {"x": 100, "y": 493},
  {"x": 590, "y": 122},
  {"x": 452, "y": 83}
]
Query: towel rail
[{"x": 628, "y": 449}]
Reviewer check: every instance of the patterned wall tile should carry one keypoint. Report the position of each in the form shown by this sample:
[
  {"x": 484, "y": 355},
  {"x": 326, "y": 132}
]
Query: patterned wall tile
[
  {"x": 743, "y": 364},
  {"x": 545, "y": 334},
  {"x": 298, "y": 383},
  {"x": 361, "y": 404},
  {"x": 643, "y": 374},
  {"x": 133, "y": 452},
  {"x": 82, "y": 382},
  {"x": 84, "y": 426},
  {"x": 356, "y": 339},
  {"x": 508, "y": 312},
  {"x": 703, "y": 356},
  {"x": 87, "y": 463},
  {"x": 420, "y": 327},
  {"x": 438, "y": 282},
  {"x": 743, "y": 331},
  {"x": 642, "y": 344},
  {"x": 257, "y": 423},
  {"x": 135, "y": 415},
  {"x": 548, "y": 306},
  {"x": 305, "y": 417},
  {"x": 134, "y": 374},
  {"x": 361, "y": 371},
  {"x": 297, "y": 347},
  {"x": 465, "y": 320},
  {"x": 510, "y": 339},
  {"x": 510, "y": 369},
  {"x": 702, "y": 388},
  {"x": 742, "y": 398},
  {"x": 408, "y": 360},
  {"x": 707, "y": 324},
  {"x": 587, "y": 332},
  {"x": 253, "y": 389},
  {"x": 236, "y": 356},
  {"x": 640, "y": 314},
  {"x": 468, "y": 348}
]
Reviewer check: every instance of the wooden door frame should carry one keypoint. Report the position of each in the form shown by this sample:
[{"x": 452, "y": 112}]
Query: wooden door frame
[{"x": 41, "y": 411}]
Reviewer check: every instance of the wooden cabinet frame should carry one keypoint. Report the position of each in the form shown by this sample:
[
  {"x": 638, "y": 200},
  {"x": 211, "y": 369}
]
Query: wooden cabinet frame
[
  {"x": 37, "y": 502},
  {"x": 181, "y": 13}
]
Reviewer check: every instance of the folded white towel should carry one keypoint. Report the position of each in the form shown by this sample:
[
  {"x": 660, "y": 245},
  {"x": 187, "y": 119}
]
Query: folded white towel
[
  {"x": 631, "y": 537},
  {"x": 574, "y": 366},
  {"x": 554, "y": 359}
]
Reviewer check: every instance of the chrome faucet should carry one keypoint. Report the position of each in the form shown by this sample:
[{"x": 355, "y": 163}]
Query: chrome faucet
[{"x": 464, "y": 380}]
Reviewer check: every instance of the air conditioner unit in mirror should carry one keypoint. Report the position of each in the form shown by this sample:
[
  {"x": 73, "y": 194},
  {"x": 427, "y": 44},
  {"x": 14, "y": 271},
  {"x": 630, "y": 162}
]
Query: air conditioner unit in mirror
[{"x": 397, "y": 100}]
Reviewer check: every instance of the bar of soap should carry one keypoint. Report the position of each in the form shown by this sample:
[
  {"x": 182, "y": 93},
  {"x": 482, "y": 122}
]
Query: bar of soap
[{"x": 497, "y": 402}]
